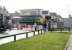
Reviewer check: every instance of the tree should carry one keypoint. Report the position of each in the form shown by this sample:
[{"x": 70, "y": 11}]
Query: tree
[{"x": 39, "y": 20}]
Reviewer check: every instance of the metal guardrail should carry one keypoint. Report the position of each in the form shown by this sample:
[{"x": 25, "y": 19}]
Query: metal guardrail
[{"x": 23, "y": 33}]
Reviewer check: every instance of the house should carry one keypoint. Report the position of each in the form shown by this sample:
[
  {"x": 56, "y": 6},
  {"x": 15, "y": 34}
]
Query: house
[
  {"x": 67, "y": 22},
  {"x": 56, "y": 20}
]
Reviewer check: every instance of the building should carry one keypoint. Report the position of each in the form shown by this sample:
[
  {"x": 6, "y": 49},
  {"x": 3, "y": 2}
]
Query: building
[
  {"x": 67, "y": 22},
  {"x": 34, "y": 12},
  {"x": 29, "y": 15},
  {"x": 56, "y": 20},
  {"x": 4, "y": 17},
  {"x": 14, "y": 14}
]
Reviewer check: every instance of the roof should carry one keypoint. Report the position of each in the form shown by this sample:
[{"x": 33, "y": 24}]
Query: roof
[{"x": 14, "y": 14}]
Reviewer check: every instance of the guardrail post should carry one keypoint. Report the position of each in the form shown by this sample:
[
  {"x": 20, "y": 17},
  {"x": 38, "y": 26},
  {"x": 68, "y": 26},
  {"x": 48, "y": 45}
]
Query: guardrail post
[
  {"x": 27, "y": 35},
  {"x": 41, "y": 31},
  {"x": 34, "y": 33},
  {"x": 14, "y": 37},
  {"x": 38, "y": 32},
  {"x": 44, "y": 30}
]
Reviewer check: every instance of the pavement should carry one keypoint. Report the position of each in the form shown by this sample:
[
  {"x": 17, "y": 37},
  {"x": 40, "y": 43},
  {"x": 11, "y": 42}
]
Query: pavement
[{"x": 69, "y": 43}]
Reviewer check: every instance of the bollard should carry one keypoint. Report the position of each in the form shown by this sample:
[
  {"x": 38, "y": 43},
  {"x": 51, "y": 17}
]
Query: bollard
[
  {"x": 27, "y": 35},
  {"x": 14, "y": 37},
  {"x": 69, "y": 29},
  {"x": 34, "y": 33},
  {"x": 41, "y": 31},
  {"x": 38, "y": 32},
  {"x": 44, "y": 30}
]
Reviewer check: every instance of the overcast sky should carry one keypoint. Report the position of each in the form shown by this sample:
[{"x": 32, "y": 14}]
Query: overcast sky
[{"x": 62, "y": 7}]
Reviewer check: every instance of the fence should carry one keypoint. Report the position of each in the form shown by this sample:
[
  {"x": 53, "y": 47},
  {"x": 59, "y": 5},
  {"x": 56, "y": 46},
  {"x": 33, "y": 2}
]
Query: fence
[
  {"x": 27, "y": 33},
  {"x": 60, "y": 29}
]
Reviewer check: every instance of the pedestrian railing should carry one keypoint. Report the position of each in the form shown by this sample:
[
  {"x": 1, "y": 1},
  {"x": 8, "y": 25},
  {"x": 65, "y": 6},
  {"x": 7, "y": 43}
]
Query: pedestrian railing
[{"x": 27, "y": 33}]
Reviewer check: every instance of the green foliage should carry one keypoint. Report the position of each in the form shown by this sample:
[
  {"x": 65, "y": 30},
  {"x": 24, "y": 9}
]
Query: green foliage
[{"x": 39, "y": 20}]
